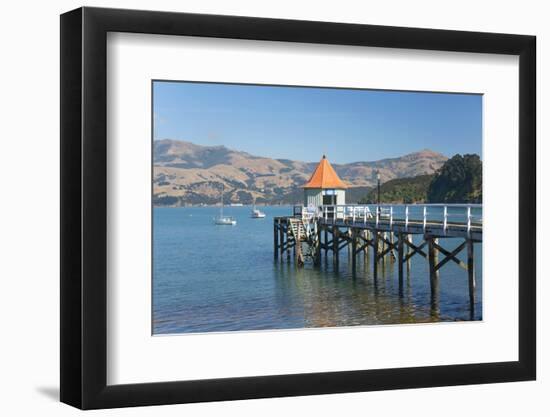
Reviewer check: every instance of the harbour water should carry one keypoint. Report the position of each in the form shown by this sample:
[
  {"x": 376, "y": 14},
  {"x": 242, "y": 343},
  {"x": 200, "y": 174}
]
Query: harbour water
[{"x": 209, "y": 278}]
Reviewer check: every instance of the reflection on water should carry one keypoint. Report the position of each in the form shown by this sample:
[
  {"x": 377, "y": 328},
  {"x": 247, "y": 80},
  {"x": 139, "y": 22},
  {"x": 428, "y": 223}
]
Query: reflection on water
[
  {"x": 222, "y": 278},
  {"x": 335, "y": 298}
]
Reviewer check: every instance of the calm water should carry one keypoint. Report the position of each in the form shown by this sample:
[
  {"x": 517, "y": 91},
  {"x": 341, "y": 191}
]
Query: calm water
[{"x": 210, "y": 278}]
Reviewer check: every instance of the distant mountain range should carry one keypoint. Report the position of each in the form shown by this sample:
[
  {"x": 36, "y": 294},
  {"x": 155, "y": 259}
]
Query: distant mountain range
[{"x": 186, "y": 173}]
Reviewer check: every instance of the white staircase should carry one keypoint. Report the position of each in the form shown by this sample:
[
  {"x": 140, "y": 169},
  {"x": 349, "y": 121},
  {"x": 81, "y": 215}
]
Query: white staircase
[{"x": 305, "y": 230}]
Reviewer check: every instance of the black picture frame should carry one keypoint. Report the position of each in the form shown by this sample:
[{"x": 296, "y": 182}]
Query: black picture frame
[{"x": 84, "y": 207}]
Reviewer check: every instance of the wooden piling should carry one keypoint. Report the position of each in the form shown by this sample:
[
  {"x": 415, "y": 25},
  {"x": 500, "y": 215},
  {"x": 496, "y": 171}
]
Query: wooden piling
[
  {"x": 326, "y": 241},
  {"x": 288, "y": 242},
  {"x": 410, "y": 240},
  {"x": 335, "y": 245},
  {"x": 471, "y": 274},
  {"x": 298, "y": 258},
  {"x": 296, "y": 251},
  {"x": 281, "y": 239},
  {"x": 383, "y": 242},
  {"x": 400, "y": 254},
  {"x": 348, "y": 237},
  {"x": 375, "y": 254},
  {"x": 353, "y": 250},
  {"x": 317, "y": 258},
  {"x": 392, "y": 251},
  {"x": 275, "y": 239},
  {"x": 434, "y": 274}
]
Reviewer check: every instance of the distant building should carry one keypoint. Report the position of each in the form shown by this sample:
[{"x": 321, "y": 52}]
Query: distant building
[{"x": 324, "y": 187}]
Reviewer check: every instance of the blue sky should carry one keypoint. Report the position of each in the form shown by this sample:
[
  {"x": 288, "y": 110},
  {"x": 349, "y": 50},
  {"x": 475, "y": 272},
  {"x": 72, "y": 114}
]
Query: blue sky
[{"x": 305, "y": 123}]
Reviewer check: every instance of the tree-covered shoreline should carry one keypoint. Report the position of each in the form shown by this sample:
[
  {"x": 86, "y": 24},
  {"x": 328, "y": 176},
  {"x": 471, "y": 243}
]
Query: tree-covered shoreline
[{"x": 459, "y": 180}]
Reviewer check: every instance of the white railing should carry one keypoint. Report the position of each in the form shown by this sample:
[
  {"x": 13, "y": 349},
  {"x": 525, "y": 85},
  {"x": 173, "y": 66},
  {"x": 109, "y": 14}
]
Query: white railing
[
  {"x": 444, "y": 215},
  {"x": 469, "y": 219},
  {"x": 424, "y": 216}
]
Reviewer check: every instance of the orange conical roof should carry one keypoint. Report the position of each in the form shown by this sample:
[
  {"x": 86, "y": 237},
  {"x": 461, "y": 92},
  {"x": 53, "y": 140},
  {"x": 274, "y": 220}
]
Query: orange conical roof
[{"x": 325, "y": 176}]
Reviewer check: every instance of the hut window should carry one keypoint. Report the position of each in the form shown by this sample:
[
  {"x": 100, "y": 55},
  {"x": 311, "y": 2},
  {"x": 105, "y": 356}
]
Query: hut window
[{"x": 329, "y": 200}]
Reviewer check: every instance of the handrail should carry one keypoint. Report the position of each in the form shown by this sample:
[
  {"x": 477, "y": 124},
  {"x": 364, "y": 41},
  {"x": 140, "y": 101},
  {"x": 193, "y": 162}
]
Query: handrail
[
  {"x": 473, "y": 205},
  {"x": 445, "y": 214},
  {"x": 451, "y": 205},
  {"x": 425, "y": 217},
  {"x": 469, "y": 220}
]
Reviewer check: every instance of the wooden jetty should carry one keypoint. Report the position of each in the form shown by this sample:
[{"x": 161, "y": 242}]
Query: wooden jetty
[{"x": 384, "y": 230}]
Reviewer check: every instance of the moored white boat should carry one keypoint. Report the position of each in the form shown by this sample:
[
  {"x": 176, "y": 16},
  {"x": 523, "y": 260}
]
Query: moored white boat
[
  {"x": 228, "y": 221},
  {"x": 256, "y": 214},
  {"x": 224, "y": 220}
]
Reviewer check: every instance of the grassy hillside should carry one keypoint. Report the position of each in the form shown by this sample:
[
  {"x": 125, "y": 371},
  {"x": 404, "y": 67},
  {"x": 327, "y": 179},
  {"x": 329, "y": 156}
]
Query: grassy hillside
[{"x": 186, "y": 173}]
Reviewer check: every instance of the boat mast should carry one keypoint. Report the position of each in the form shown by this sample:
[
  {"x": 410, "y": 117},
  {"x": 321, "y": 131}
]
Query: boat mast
[{"x": 221, "y": 199}]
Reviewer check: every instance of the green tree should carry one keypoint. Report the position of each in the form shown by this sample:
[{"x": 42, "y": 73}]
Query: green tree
[
  {"x": 400, "y": 191},
  {"x": 459, "y": 180}
]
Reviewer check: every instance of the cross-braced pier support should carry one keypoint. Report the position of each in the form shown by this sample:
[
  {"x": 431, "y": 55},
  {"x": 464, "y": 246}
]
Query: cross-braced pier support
[{"x": 385, "y": 242}]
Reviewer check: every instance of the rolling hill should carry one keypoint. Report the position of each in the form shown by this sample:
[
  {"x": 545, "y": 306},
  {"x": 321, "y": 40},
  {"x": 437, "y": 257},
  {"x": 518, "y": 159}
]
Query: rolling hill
[{"x": 186, "y": 173}]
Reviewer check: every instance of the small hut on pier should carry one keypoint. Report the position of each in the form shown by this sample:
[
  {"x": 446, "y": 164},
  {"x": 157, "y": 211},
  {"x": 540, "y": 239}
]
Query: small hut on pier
[{"x": 324, "y": 187}]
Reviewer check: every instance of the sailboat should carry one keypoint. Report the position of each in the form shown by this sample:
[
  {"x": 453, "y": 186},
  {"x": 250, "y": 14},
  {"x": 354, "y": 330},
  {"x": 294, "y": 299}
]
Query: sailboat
[
  {"x": 256, "y": 214},
  {"x": 224, "y": 220}
]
